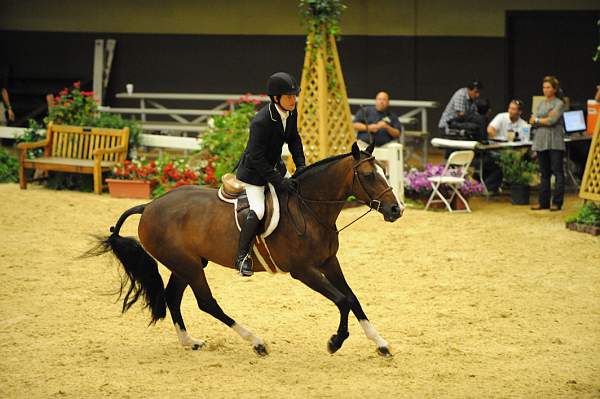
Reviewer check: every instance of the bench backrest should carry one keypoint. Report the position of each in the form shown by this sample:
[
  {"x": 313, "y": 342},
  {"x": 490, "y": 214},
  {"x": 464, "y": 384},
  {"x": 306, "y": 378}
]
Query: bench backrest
[{"x": 80, "y": 142}]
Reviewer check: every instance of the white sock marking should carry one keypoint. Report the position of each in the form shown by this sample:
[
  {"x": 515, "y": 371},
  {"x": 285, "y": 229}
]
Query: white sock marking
[
  {"x": 185, "y": 339},
  {"x": 372, "y": 333},
  {"x": 247, "y": 335}
]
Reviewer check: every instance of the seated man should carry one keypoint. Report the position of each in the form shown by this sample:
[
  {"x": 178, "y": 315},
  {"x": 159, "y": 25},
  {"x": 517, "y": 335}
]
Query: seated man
[
  {"x": 462, "y": 101},
  {"x": 472, "y": 123},
  {"x": 506, "y": 122},
  {"x": 379, "y": 124}
]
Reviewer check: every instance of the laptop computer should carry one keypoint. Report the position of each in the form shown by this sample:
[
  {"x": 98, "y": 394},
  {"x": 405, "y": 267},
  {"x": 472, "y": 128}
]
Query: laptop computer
[{"x": 574, "y": 122}]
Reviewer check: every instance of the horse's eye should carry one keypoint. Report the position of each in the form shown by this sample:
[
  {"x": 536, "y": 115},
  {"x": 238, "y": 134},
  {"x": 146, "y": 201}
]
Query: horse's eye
[{"x": 370, "y": 176}]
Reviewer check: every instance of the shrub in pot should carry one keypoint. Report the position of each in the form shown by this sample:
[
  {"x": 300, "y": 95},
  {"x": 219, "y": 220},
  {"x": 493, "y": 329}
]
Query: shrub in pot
[{"x": 518, "y": 172}]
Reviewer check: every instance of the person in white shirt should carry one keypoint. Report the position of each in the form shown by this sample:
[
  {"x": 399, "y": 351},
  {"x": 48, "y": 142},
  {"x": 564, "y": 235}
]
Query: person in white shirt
[{"x": 506, "y": 122}]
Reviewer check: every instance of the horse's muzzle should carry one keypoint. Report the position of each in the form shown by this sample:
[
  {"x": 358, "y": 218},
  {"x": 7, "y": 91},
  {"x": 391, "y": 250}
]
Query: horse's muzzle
[{"x": 392, "y": 213}]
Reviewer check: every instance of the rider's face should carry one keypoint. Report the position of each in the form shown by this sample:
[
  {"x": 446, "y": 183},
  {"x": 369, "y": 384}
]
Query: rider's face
[{"x": 288, "y": 102}]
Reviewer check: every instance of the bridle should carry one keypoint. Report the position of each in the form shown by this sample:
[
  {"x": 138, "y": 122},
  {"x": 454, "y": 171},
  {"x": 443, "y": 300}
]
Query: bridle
[{"x": 373, "y": 204}]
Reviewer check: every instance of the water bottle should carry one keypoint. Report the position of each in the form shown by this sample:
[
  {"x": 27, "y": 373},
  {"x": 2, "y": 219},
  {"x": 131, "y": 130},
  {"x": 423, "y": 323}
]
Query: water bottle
[{"x": 527, "y": 133}]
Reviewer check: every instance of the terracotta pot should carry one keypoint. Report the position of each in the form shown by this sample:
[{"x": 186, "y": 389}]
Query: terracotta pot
[
  {"x": 584, "y": 228},
  {"x": 457, "y": 204},
  {"x": 129, "y": 188},
  {"x": 433, "y": 205}
]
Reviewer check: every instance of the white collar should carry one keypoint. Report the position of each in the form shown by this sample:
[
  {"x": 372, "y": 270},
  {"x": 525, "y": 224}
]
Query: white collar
[{"x": 284, "y": 114}]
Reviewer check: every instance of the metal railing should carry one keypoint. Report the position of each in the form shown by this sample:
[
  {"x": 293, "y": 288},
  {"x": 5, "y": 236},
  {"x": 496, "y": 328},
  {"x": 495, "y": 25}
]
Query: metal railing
[{"x": 182, "y": 123}]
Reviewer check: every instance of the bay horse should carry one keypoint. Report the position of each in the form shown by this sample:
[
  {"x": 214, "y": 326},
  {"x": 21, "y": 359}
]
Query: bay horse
[{"x": 190, "y": 226}]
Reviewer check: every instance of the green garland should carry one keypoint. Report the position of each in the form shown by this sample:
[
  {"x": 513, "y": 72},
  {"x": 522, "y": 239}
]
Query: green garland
[{"x": 322, "y": 18}]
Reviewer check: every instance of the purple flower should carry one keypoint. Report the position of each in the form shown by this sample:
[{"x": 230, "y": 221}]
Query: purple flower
[{"x": 415, "y": 181}]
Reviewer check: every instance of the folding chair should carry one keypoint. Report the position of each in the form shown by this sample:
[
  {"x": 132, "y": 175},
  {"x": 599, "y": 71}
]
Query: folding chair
[{"x": 461, "y": 160}]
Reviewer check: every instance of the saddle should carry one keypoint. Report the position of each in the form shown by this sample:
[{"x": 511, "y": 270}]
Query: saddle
[{"x": 232, "y": 192}]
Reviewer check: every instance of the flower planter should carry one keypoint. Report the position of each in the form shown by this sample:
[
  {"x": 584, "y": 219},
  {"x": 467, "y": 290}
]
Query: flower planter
[
  {"x": 584, "y": 228},
  {"x": 457, "y": 204},
  {"x": 519, "y": 194},
  {"x": 129, "y": 188}
]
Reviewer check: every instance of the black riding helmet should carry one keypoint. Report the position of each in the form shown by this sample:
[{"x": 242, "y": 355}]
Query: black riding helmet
[{"x": 282, "y": 83}]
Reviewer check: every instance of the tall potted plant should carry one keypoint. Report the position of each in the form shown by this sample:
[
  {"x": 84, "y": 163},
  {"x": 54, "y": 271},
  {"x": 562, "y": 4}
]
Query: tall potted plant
[{"x": 518, "y": 172}]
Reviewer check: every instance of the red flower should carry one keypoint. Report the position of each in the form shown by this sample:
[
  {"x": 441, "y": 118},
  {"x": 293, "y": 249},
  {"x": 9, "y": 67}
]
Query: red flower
[
  {"x": 77, "y": 84},
  {"x": 87, "y": 93},
  {"x": 63, "y": 92}
]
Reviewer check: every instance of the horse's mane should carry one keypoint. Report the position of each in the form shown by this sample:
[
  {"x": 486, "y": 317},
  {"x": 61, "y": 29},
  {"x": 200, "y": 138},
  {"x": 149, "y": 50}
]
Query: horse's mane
[{"x": 317, "y": 166}]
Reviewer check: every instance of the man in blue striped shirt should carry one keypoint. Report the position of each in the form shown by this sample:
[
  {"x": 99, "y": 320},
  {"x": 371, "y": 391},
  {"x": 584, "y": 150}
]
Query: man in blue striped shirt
[{"x": 462, "y": 101}]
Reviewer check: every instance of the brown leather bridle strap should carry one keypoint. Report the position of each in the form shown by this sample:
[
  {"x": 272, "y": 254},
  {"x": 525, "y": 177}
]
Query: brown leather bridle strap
[{"x": 374, "y": 203}]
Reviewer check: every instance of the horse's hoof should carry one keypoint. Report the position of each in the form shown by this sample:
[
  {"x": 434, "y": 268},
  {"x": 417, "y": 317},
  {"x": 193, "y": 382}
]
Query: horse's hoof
[
  {"x": 335, "y": 343},
  {"x": 260, "y": 350},
  {"x": 195, "y": 347},
  {"x": 384, "y": 351}
]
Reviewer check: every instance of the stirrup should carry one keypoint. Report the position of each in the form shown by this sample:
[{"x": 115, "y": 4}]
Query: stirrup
[{"x": 244, "y": 266}]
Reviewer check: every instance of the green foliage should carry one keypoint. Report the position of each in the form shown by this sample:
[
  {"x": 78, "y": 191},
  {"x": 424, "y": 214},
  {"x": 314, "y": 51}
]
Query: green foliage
[
  {"x": 79, "y": 108},
  {"x": 588, "y": 214},
  {"x": 35, "y": 132},
  {"x": 226, "y": 139},
  {"x": 70, "y": 181},
  {"x": 516, "y": 168},
  {"x": 9, "y": 167},
  {"x": 322, "y": 18}
]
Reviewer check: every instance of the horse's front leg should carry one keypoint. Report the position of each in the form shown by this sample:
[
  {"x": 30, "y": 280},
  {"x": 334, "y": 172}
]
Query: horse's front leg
[
  {"x": 315, "y": 280},
  {"x": 333, "y": 272}
]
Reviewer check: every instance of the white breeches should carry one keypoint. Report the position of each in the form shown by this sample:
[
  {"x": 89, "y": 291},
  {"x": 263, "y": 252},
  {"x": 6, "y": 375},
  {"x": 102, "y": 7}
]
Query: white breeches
[{"x": 256, "y": 199}]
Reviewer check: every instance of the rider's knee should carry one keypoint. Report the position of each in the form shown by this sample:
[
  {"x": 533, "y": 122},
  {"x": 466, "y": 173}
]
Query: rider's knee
[{"x": 260, "y": 212}]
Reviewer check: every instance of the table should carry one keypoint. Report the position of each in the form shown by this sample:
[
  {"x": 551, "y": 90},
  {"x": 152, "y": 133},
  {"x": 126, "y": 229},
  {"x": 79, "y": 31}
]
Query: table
[{"x": 481, "y": 147}]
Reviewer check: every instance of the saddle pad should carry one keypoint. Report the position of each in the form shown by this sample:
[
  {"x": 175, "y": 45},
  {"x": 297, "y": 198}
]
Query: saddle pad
[
  {"x": 240, "y": 207},
  {"x": 260, "y": 250}
]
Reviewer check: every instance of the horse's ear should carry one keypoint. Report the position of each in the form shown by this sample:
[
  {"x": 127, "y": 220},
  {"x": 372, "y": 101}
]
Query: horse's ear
[
  {"x": 370, "y": 149},
  {"x": 355, "y": 151}
]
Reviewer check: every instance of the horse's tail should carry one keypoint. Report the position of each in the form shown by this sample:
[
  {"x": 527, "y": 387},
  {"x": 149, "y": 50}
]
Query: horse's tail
[{"x": 141, "y": 270}]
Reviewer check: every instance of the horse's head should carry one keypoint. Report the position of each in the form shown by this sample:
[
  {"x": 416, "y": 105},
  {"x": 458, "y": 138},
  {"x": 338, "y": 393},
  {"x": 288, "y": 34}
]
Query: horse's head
[{"x": 371, "y": 187}]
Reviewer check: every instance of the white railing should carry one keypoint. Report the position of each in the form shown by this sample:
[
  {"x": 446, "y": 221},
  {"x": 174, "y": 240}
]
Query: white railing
[
  {"x": 416, "y": 117},
  {"x": 148, "y": 140},
  {"x": 226, "y": 101}
]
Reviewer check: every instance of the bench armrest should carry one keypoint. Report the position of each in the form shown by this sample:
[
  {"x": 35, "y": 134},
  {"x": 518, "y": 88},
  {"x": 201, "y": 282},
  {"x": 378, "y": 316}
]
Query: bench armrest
[
  {"x": 101, "y": 151},
  {"x": 35, "y": 144}
]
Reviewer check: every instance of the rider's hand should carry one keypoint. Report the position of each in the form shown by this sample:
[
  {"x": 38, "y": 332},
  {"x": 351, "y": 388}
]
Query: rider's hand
[{"x": 288, "y": 185}]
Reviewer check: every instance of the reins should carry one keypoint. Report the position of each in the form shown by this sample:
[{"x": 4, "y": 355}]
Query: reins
[{"x": 373, "y": 204}]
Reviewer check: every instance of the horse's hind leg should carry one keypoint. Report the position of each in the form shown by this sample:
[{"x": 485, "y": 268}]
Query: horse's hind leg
[
  {"x": 333, "y": 272},
  {"x": 208, "y": 304},
  {"x": 174, "y": 293}
]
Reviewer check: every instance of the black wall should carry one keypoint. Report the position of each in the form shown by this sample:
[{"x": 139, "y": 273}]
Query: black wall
[
  {"x": 422, "y": 68},
  {"x": 553, "y": 43}
]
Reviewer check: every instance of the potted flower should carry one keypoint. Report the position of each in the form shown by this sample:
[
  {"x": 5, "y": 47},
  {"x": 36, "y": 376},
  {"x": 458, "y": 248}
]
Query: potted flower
[
  {"x": 174, "y": 173},
  {"x": 133, "y": 179},
  {"x": 518, "y": 172},
  {"x": 142, "y": 179},
  {"x": 586, "y": 220}
]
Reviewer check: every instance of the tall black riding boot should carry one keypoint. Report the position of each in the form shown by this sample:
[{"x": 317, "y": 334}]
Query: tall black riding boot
[{"x": 243, "y": 260}]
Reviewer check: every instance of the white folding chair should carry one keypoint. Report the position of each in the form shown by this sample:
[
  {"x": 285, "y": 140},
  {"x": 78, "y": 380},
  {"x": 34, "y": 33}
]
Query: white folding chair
[{"x": 462, "y": 161}]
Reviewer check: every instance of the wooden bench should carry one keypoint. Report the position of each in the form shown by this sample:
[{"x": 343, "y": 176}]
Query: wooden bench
[{"x": 76, "y": 149}]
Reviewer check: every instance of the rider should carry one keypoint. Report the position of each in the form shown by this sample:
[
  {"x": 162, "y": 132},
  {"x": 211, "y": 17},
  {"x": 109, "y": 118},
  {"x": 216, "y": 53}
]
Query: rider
[{"x": 261, "y": 161}]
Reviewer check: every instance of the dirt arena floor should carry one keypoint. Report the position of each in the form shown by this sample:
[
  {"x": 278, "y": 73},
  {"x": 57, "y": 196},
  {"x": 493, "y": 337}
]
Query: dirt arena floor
[{"x": 500, "y": 303}]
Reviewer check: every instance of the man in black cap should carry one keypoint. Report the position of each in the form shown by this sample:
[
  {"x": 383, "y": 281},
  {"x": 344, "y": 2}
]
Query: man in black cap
[
  {"x": 261, "y": 163},
  {"x": 462, "y": 100}
]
